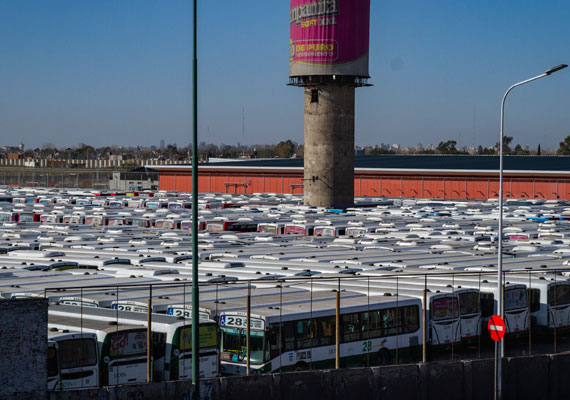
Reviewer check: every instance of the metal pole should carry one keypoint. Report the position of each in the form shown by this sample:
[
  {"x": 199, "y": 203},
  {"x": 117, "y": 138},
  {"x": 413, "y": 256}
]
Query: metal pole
[
  {"x": 149, "y": 337},
  {"x": 529, "y": 293},
  {"x": 248, "y": 329},
  {"x": 195, "y": 296},
  {"x": 337, "y": 339},
  {"x": 311, "y": 333},
  {"x": 368, "y": 325},
  {"x": 500, "y": 351},
  {"x": 555, "y": 316},
  {"x": 280, "y": 325},
  {"x": 424, "y": 326}
]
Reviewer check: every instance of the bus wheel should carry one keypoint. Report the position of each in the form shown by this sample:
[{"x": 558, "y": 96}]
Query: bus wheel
[
  {"x": 383, "y": 357},
  {"x": 301, "y": 366}
]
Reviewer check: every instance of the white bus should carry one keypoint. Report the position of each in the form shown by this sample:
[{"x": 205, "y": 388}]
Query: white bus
[
  {"x": 295, "y": 337},
  {"x": 549, "y": 300},
  {"x": 76, "y": 358},
  {"x": 442, "y": 308},
  {"x": 122, "y": 347},
  {"x": 171, "y": 342},
  {"x": 468, "y": 300},
  {"x": 516, "y": 314}
]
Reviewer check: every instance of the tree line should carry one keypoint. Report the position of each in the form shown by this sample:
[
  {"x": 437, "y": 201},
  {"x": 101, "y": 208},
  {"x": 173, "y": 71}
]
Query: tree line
[{"x": 283, "y": 149}]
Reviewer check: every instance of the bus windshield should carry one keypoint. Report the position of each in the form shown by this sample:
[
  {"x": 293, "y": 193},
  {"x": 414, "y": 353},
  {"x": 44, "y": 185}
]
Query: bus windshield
[
  {"x": 469, "y": 303},
  {"x": 75, "y": 353},
  {"x": 444, "y": 308},
  {"x": 559, "y": 295},
  {"x": 515, "y": 298},
  {"x": 233, "y": 345}
]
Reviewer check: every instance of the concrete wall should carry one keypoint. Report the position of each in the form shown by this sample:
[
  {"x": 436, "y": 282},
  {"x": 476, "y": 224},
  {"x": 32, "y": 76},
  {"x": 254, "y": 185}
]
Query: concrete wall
[
  {"x": 329, "y": 146},
  {"x": 23, "y": 349},
  {"x": 532, "y": 378}
]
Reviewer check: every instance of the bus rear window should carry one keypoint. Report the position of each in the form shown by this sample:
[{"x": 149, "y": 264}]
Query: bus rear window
[
  {"x": 75, "y": 353},
  {"x": 208, "y": 337},
  {"x": 515, "y": 298},
  {"x": 469, "y": 303},
  {"x": 444, "y": 307},
  {"x": 127, "y": 344},
  {"x": 559, "y": 295}
]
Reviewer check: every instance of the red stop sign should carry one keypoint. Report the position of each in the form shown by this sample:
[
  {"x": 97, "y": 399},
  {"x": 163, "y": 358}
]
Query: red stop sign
[{"x": 496, "y": 327}]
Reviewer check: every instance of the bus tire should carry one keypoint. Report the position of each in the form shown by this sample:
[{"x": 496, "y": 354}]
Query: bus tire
[
  {"x": 301, "y": 366},
  {"x": 383, "y": 357}
]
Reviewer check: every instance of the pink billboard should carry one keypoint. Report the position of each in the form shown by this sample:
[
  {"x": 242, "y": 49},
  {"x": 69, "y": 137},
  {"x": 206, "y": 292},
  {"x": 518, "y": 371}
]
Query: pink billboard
[{"x": 329, "y": 37}]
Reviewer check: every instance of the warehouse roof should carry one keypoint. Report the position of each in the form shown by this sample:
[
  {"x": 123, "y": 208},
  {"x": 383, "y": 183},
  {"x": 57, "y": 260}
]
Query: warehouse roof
[{"x": 396, "y": 161}]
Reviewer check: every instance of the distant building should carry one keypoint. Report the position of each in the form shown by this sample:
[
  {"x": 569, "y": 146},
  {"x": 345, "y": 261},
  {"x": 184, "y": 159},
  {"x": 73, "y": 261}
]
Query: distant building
[{"x": 134, "y": 180}]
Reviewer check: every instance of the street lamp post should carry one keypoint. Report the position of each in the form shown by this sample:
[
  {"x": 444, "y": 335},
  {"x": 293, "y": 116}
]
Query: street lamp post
[
  {"x": 500, "y": 351},
  {"x": 195, "y": 288}
]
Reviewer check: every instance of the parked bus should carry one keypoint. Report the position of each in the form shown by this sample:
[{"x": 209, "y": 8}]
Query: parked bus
[
  {"x": 219, "y": 226},
  {"x": 442, "y": 307},
  {"x": 122, "y": 347},
  {"x": 186, "y": 225},
  {"x": 516, "y": 313},
  {"x": 167, "y": 223},
  {"x": 76, "y": 358},
  {"x": 298, "y": 229},
  {"x": 549, "y": 300},
  {"x": 296, "y": 337},
  {"x": 468, "y": 301},
  {"x": 171, "y": 340},
  {"x": 275, "y": 228}
]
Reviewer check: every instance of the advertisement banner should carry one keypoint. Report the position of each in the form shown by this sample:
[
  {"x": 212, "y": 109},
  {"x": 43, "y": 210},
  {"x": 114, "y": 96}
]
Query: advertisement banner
[{"x": 329, "y": 37}]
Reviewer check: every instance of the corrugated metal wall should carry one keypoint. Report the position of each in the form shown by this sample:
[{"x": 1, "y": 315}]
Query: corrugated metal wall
[{"x": 368, "y": 185}]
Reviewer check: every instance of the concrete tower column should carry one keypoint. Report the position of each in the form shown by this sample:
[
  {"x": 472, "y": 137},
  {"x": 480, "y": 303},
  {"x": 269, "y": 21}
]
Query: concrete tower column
[{"x": 329, "y": 146}]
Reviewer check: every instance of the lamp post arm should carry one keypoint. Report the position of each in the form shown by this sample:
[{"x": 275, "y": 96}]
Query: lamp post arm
[{"x": 500, "y": 239}]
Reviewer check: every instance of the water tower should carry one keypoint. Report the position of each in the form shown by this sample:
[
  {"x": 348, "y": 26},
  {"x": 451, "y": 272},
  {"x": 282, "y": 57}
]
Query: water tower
[{"x": 329, "y": 58}]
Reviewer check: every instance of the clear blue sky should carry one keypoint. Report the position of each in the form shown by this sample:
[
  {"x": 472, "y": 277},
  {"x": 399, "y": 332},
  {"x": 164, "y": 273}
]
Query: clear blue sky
[{"x": 118, "y": 72}]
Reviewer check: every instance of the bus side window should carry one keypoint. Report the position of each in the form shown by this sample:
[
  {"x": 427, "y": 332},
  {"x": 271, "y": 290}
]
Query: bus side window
[
  {"x": 534, "y": 299},
  {"x": 390, "y": 321},
  {"x": 326, "y": 330},
  {"x": 289, "y": 336},
  {"x": 274, "y": 340},
  {"x": 410, "y": 317},
  {"x": 371, "y": 325},
  {"x": 487, "y": 305},
  {"x": 304, "y": 333},
  {"x": 350, "y": 327}
]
